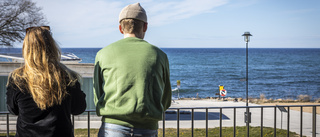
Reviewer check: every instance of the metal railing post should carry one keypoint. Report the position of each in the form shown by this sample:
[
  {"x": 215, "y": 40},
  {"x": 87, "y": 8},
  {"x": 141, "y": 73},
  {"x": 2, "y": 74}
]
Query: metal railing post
[
  {"x": 207, "y": 119},
  {"x": 192, "y": 121},
  {"x": 288, "y": 122},
  {"x": 7, "y": 125},
  {"x": 248, "y": 121},
  {"x": 72, "y": 117},
  {"x": 163, "y": 124},
  {"x": 178, "y": 122},
  {"x": 275, "y": 122},
  {"x": 301, "y": 118},
  {"x": 314, "y": 122},
  {"x": 261, "y": 122},
  {"x": 88, "y": 123},
  {"x": 234, "y": 122},
  {"x": 220, "y": 132}
]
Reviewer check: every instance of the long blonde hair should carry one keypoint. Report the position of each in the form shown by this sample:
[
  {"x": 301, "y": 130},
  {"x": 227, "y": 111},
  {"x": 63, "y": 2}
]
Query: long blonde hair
[{"x": 42, "y": 75}]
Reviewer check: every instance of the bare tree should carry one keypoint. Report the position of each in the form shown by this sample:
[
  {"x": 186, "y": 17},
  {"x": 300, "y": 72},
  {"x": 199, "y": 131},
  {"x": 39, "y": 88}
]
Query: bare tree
[{"x": 15, "y": 17}]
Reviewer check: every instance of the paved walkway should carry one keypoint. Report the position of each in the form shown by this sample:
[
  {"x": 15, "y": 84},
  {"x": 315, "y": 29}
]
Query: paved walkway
[{"x": 214, "y": 114}]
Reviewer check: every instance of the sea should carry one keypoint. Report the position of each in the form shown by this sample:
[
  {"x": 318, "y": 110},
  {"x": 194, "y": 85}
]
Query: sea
[{"x": 273, "y": 73}]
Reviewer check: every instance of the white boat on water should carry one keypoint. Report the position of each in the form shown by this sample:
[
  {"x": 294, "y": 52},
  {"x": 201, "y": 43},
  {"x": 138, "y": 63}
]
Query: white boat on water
[{"x": 66, "y": 58}]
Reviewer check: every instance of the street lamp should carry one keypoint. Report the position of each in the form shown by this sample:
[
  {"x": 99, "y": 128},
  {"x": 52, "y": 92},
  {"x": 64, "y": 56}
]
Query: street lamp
[
  {"x": 247, "y": 114},
  {"x": 246, "y": 36}
]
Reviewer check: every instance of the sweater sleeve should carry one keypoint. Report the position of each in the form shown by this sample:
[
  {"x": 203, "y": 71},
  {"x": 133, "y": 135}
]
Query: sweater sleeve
[
  {"x": 167, "y": 93},
  {"x": 12, "y": 103},
  {"x": 78, "y": 101},
  {"x": 97, "y": 82}
]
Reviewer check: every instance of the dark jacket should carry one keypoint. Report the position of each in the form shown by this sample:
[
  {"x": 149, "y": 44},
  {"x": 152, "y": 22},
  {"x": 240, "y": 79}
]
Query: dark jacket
[{"x": 54, "y": 121}]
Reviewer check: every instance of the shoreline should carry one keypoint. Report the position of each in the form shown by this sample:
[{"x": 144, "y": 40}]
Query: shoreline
[{"x": 269, "y": 102}]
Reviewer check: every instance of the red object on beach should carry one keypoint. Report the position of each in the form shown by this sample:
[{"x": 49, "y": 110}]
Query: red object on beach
[{"x": 223, "y": 92}]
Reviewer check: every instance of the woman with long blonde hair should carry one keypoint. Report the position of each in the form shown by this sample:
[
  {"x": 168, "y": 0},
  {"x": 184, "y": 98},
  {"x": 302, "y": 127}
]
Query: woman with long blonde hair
[{"x": 43, "y": 92}]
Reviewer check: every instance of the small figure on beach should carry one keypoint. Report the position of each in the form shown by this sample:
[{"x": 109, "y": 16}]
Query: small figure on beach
[
  {"x": 43, "y": 93},
  {"x": 131, "y": 80}
]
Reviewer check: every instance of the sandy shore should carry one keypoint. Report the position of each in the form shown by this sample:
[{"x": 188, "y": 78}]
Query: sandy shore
[
  {"x": 273, "y": 103},
  {"x": 305, "y": 109}
]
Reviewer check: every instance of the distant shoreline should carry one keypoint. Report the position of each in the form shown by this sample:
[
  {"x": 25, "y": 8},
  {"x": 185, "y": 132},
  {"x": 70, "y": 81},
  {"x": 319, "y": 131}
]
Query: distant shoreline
[
  {"x": 270, "y": 102},
  {"x": 301, "y": 98}
]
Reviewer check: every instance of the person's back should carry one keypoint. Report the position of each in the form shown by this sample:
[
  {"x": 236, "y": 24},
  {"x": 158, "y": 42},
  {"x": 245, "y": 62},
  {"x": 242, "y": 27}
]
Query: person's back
[
  {"x": 131, "y": 83},
  {"x": 43, "y": 93},
  {"x": 52, "y": 122}
]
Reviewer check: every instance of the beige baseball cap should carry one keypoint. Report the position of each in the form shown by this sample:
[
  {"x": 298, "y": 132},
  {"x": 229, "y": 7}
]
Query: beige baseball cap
[{"x": 133, "y": 11}]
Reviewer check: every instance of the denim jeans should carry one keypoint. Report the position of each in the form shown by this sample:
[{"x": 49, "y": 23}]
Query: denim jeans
[{"x": 113, "y": 130}]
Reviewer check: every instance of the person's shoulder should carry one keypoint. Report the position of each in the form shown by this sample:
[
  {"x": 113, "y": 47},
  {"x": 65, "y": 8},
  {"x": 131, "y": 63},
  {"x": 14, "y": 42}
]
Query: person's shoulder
[
  {"x": 159, "y": 51},
  {"x": 150, "y": 45},
  {"x": 155, "y": 48},
  {"x": 16, "y": 84},
  {"x": 17, "y": 76},
  {"x": 109, "y": 47}
]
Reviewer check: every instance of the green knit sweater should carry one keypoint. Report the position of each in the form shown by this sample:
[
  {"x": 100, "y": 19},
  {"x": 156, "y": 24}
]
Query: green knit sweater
[{"x": 132, "y": 83}]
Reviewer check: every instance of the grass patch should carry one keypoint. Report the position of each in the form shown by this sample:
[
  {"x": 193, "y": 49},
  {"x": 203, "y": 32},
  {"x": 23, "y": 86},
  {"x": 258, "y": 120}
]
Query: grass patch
[
  {"x": 84, "y": 132},
  {"x": 5, "y": 134},
  {"x": 226, "y": 132},
  {"x": 186, "y": 132}
]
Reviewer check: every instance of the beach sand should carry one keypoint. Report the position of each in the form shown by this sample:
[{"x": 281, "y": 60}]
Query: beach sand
[
  {"x": 305, "y": 109},
  {"x": 281, "y": 103}
]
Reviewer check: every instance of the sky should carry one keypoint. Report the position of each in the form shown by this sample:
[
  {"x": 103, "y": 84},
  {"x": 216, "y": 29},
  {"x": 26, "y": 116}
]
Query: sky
[{"x": 189, "y": 23}]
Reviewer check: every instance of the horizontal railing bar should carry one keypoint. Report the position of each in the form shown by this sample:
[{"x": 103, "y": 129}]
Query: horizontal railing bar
[
  {"x": 90, "y": 110},
  {"x": 230, "y": 107}
]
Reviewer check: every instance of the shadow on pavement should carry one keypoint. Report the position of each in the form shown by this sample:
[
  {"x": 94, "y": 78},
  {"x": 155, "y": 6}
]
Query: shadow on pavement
[{"x": 186, "y": 115}]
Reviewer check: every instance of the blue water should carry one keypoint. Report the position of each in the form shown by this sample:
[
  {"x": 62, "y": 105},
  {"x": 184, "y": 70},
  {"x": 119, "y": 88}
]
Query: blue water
[{"x": 276, "y": 73}]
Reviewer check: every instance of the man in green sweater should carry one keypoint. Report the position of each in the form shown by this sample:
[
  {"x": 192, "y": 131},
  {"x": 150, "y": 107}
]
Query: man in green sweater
[{"x": 131, "y": 80}]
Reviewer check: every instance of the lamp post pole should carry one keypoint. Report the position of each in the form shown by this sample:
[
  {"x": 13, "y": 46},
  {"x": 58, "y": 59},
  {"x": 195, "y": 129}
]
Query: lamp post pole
[
  {"x": 247, "y": 39},
  {"x": 247, "y": 80},
  {"x": 247, "y": 115}
]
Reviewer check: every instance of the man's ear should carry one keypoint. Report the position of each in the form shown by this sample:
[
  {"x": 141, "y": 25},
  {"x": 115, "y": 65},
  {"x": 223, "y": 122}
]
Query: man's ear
[
  {"x": 145, "y": 27},
  {"x": 120, "y": 29}
]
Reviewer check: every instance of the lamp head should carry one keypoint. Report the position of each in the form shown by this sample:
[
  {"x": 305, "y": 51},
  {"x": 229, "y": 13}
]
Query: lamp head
[{"x": 246, "y": 36}]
